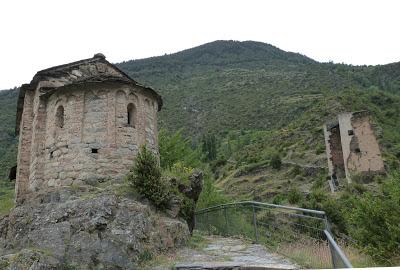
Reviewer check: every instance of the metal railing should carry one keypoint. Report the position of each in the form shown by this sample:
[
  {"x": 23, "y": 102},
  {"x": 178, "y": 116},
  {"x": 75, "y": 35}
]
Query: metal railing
[{"x": 300, "y": 234}]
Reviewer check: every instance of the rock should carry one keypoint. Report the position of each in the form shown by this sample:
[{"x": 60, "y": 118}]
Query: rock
[
  {"x": 192, "y": 192},
  {"x": 103, "y": 232},
  {"x": 30, "y": 259}
]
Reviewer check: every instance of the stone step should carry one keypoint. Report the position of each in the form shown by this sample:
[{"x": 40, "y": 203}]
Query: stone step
[{"x": 225, "y": 266}]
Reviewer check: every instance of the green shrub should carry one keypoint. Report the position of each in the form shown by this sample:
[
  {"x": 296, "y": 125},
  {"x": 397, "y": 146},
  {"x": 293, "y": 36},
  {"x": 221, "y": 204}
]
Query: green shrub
[
  {"x": 320, "y": 149},
  {"x": 145, "y": 256},
  {"x": 294, "y": 195},
  {"x": 374, "y": 220},
  {"x": 210, "y": 195},
  {"x": 175, "y": 148},
  {"x": 279, "y": 198},
  {"x": 276, "y": 161},
  {"x": 146, "y": 179}
]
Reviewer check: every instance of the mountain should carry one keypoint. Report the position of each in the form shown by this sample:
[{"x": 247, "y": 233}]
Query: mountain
[
  {"x": 8, "y": 141},
  {"x": 227, "y": 86},
  {"x": 247, "y": 85}
]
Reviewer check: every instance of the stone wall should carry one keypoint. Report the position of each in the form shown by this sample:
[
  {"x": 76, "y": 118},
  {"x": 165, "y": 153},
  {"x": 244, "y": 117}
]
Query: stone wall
[
  {"x": 365, "y": 155},
  {"x": 24, "y": 148},
  {"x": 80, "y": 134},
  {"x": 345, "y": 137}
]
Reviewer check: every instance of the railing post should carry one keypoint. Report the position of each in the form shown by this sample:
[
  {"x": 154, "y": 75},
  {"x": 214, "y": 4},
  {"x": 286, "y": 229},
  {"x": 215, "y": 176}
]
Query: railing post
[
  {"x": 208, "y": 224},
  {"x": 255, "y": 223},
  {"x": 327, "y": 226},
  {"x": 226, "y": 221},
  {"x": 334, "y": 266},
  {"x": 339, "y": 259}
]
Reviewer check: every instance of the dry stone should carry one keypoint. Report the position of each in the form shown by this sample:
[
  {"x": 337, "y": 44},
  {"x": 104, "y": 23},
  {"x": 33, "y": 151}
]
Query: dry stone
[{"x": 104, "y": 232}]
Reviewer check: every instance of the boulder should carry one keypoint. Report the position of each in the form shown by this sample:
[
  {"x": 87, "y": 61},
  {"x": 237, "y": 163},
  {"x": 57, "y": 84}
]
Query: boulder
[{"x": 100, "y": 232}]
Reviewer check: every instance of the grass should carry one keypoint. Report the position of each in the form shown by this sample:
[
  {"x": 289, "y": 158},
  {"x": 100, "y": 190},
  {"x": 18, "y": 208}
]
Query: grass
[
  {"x": 6, "y": 197},
  {"x": 307, "y": 252},
  {"x": 356, "y": 257},
  {"x": 197, "y": 241}
]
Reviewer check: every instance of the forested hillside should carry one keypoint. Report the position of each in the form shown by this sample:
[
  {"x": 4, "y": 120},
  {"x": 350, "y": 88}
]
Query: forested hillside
[{"x": 8, "y": 141}]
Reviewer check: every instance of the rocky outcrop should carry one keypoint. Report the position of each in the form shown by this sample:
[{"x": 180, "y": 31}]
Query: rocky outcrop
[
  {"x": 185, "y": 206},
  {"x": 103, "y": 232}
]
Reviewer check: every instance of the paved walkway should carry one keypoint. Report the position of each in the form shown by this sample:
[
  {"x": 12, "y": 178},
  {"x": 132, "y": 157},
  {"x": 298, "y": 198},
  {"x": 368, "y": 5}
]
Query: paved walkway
[{"x": 229, "y": 253}]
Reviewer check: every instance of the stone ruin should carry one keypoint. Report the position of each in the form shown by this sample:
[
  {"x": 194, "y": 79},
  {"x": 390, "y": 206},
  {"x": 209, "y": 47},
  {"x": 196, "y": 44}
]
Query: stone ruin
[
  {"x": 351, "y": 148},
  {"x": 81, "y": 123}
]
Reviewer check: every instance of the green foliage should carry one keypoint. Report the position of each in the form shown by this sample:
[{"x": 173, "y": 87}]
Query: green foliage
[
  {"x": 294, "y": 195},
  {"x": 179, "y": 161},
  {"x": 8, "y": 141},
  {"x": 210, "y": 195},
  {"x": 374, "y": 220},
  {"x": 145, "y": 256},
  {"x": 174, "y": 148},
  {"x": 146, "y": 179},
  {"x": 209, "y": 147},
  {"x": 279, "y": 199},
  {"x": 276, "y": 162},
  {"x": 6, "y": 196}
]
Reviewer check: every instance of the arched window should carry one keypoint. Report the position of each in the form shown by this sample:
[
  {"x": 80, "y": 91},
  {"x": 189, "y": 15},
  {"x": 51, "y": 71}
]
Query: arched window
[
  {"x": 131, "y": 115},
  {"x": 60, "y": 117}
]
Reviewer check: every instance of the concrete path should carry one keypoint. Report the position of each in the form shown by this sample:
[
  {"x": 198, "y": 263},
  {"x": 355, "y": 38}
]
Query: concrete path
[{"x": 230, "y": 253}]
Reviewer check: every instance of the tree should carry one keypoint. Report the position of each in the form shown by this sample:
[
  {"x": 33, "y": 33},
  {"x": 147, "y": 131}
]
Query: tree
[
  {"x": 174, "y": 148},
  {"x": 146, "y": 179},
  {"x": 276, "y": 162},
  {"x": 209, "y": 147}
]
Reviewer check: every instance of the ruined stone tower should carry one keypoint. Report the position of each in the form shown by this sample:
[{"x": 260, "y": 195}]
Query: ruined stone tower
[
  {"x": 81, "y": 123},
  {"x": 351, "y": 148}
]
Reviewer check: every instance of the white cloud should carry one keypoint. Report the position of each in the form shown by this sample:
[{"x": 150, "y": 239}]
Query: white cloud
[{"x": 39, "y": 34}]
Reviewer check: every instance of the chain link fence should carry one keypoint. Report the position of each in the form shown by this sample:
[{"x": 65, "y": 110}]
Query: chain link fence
[{"x": 300, "y": 234}]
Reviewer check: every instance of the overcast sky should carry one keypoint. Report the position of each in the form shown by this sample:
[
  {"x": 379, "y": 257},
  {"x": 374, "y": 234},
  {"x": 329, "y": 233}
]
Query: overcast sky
[{"x": 39, "y": 34}]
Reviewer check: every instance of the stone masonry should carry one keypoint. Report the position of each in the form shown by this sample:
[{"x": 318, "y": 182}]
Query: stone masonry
[
  {"x": 352, "y": 148},
  {"x": 81, "y": 123}
]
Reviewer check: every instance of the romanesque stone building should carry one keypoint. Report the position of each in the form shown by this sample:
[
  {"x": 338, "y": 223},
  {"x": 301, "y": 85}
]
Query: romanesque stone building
[
  {"x": 351, "y": 148},
  {"x": 82, "y": 123}
]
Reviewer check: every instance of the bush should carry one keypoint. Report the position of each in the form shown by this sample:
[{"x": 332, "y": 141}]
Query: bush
[
  {"x": 146, "y": 179},
  {"x": 278, "y": 199},
  {"x": 175, "y": 148},
  {"x": 210, "y": 195},
  {"x": 294, "y": 196},
  {"x": 276, "y": 161},
  {"x": 374, "y": 220}
]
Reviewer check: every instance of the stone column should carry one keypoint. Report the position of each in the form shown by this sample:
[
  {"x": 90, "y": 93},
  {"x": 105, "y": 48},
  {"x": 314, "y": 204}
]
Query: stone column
[{"x": 24, "y": 150}]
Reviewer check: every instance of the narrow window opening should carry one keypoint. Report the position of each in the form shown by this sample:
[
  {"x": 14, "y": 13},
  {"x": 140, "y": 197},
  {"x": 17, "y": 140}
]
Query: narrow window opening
[
  {"x": 350, "y": 132},
  {"x": 95, "y": 150},
  {"x": 60, "y": 117},
  {"x": 131, "y": 115},
  {"x": 51, "y": 154}
]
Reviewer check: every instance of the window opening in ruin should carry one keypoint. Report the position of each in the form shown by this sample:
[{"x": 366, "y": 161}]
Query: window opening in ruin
[
  {"x": 350, "y": 132},
  {"x": 357, "y": 150},
  {"x": 51, "y": 154},
  {"x": 60, "y": 117},
  {"x": 95, "y": 150},
  {"x": 131, "y": 115}
]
